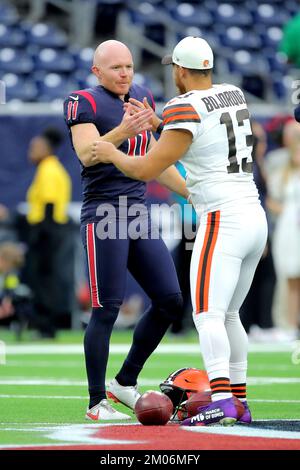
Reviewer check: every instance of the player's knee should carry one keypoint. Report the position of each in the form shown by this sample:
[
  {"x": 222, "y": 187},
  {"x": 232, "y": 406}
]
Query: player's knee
[
  {"x": 232, "y": 317},
  {"x": 169, "y": 307},
  {"x": 203, "y": 318},
  {"x": 108, "y": 313}
]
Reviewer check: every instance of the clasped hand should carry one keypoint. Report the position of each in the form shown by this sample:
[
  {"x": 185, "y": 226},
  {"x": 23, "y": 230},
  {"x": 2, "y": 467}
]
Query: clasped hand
[
  {"x": 102, "y": 151},
  {"x": 134, "y": 123}
]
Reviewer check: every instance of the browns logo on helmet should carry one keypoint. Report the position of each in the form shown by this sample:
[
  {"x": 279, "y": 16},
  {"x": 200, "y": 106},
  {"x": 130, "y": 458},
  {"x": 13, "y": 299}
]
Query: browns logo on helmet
[{"x": 181, "y": 384}]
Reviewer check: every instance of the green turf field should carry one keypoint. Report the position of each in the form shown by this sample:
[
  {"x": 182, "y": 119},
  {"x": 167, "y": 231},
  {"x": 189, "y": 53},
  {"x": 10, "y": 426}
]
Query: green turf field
[{"x": 41, "y": 389}]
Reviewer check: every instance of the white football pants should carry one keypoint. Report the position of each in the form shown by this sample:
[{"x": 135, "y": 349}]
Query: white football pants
[{"x": 226, "y": 252}]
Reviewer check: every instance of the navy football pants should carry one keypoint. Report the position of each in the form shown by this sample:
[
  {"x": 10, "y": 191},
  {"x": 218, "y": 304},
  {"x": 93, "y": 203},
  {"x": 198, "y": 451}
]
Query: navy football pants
[
  {"x": 148, "y": 260},
  {"x": 151, "y": 264}
]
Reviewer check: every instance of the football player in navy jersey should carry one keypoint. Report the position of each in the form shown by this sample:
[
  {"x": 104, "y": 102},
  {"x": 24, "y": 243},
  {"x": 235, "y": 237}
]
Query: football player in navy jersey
[
  {"x": 233, "y": 230},
  {"x": 98, "y": 114}
]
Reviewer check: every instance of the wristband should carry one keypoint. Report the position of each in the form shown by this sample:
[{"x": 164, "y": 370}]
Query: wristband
[{"x": 160, "y": 128}]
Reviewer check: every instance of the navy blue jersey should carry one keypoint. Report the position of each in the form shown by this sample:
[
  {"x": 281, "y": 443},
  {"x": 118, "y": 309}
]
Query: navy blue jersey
[{"x": 104, "y": 182}]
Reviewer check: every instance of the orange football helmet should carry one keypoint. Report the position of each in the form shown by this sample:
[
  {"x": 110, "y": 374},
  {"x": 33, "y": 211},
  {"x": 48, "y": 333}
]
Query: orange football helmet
[{"x": 181, "y": 384}]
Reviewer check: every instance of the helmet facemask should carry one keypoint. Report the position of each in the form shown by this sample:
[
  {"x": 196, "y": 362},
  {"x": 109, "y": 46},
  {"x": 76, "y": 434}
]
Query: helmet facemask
[{"x": 181, "y": 385}]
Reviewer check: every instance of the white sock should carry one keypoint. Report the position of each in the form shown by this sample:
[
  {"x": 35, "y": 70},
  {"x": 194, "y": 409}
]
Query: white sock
[
  {"x": 215, "y": 350},
  {"x": 239, "y": 351}
]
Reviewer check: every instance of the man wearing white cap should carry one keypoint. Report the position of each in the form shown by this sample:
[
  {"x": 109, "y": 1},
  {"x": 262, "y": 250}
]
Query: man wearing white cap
[{"x": 207, "y": 128}]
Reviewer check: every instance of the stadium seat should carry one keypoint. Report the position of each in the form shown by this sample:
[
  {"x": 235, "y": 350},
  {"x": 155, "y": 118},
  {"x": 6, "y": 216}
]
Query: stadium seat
[
  {"x": 15, "y": 61},
  {"x": 90, "y": 81},
  {"x": 11, "y": 36},
  {"x": 8, "y": 14},
  {"x": 244, "y": 62},
  {"x": 45, "y": 35},
  {"x": 270, "y": 15},
  {"x": 192, "y": 15},
  {"x": 244, "y": 35},
  {"x": 281, "y": 85},
  {"x": 277, "y": 61},
  {"x": 227, "y": 14},
  {"x": 84, "y": 58},
  {"x": 292, "y": 6},
  {"x": 53, "y": 60},
  {"x": 18, "y": 87},
  {"x": 145, "y": 14},
  {"x": 54, "y": 86},
  {"x": 238, "y": 38},
  {"x": 271, "y": 36},
  {"x": 84, "y": 78},
  {"x": 154, "y": 85},
  {"x": 109, "y": 2},
  {"x": 207, "y": 34},
  {"x": 155, "y": 3},
  {"x": 141, "y": 79}
]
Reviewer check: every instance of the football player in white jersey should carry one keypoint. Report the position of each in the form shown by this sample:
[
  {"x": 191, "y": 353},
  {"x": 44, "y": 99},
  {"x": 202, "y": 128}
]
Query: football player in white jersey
[{"x": 207, "y": 128}]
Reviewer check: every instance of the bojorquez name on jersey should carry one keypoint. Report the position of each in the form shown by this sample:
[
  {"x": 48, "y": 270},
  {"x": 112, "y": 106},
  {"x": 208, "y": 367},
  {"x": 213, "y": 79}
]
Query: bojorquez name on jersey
[{"x": 223, "y": 100}]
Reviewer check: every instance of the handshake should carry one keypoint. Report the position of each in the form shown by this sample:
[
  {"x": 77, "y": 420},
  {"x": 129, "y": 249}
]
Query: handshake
[{"x": 138, "y": 117}]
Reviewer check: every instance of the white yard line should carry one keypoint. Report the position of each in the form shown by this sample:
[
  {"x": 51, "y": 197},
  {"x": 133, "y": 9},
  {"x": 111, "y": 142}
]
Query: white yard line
[
  {"x": 79, "y": 397},
  {"x": 143, "y": 382},
  {"x": 180, "y": 348},
  {"x": 116, "y": 363},
  {"x": 239, "y": 431},
  {"x": 48, "y": 397}
]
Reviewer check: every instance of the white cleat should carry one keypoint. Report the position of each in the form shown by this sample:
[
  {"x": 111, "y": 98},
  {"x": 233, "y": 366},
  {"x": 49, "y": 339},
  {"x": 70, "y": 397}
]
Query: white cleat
[
  {"x": 128, "y": 396},
  {"x": 104, "y": 412}
]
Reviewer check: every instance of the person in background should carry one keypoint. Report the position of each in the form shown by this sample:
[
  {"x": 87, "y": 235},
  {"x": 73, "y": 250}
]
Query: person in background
[
  {"x": 48, "y": 198},
  {"x": 182, "y": 257},
  {"x": 7, "y": 225},
  {"x": 281, "y": 130},
  {"x": 290, "y": 44},
  {"x": 11, "y": 259},
  {"x": 284, "y": 203},
  {"x": 256, "y": 311}
]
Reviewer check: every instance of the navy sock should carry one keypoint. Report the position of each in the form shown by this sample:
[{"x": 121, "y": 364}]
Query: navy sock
[
  {"x": 96, "y": 349},
  {"x": 146, "y": 337}
]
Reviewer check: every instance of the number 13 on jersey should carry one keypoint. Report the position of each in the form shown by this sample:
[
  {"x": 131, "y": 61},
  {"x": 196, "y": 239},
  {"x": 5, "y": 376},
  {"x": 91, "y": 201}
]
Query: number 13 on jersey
[{"x": 234, "y": 165}]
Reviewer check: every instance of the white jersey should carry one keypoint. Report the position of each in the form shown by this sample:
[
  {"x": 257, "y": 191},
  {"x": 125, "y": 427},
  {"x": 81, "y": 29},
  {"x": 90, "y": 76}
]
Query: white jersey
[{"x": 218, "y": 162}]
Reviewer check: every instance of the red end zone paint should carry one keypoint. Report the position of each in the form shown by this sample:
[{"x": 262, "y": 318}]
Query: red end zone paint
[{"x": 172, "y": 437}]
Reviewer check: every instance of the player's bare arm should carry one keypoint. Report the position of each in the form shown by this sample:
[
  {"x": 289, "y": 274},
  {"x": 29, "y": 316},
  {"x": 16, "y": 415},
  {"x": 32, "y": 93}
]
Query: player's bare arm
[
  {"x": 171, "y": 146},
  {"x": 171, "y": 178},
  {"x": 83, "y": 135}
]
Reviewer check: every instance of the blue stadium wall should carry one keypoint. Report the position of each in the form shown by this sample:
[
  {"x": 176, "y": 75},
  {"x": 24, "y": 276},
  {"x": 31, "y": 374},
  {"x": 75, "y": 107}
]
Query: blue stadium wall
[{"x": 16, "y": 172}]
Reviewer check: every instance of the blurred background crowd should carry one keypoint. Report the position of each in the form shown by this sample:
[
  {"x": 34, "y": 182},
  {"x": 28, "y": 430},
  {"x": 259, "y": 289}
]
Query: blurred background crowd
[{"x": 46, "y": 51}]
